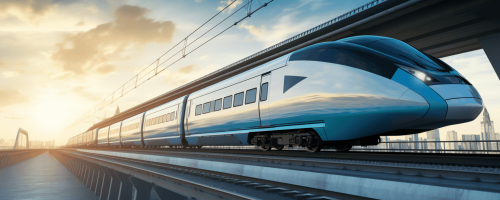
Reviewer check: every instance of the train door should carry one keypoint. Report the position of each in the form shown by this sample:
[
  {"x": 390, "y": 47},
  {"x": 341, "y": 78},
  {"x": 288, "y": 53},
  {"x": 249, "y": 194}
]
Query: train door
[{"x": 265, "y": 118}]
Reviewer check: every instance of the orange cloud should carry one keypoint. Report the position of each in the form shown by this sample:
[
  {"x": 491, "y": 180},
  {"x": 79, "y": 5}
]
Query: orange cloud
[
  {"x": 94, "y": 50},
  {"x": 28, "y": 10},
  {"x": 11, "y": 97}
]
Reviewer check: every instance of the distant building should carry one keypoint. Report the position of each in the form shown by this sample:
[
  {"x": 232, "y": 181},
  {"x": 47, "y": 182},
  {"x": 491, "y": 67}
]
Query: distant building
[
  {"x": 451, "y": 136},
  {"x": 413, "y": 141},
  {"x": 487, "y": 131},
  {"x": 433, "y": 139},
  {"x": 2, "y": 142},
  {"x": 468, "y": 142},
  {"x": 48, "y": 144}
]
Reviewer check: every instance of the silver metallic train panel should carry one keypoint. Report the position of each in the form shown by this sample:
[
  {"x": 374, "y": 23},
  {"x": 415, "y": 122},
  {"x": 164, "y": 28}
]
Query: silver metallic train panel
[
  {"x": 353, "y": 103},
  {"x": 102, "y": 136},
  {"x": 131, "y": 130},
  {"x": 114, "y": 134},
  {"x": 156, "y": 125},
  {"x": 464, "y": 108},
  {"x": 240, "y": 117},
  {"x": 411, "y": 107},
  {"x": 452, "y": 91}
]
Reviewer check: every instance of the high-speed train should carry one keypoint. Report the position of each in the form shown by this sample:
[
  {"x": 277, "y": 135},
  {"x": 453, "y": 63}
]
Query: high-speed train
[{"x": 328, "y": 95}]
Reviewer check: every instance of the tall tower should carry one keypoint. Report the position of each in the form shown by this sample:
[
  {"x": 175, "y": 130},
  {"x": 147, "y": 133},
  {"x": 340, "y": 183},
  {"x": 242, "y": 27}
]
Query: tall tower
[
  {"x": 433, "y": 139},
  {"x": 452, "y": 136},
  {"x": 487, "y": 130}
]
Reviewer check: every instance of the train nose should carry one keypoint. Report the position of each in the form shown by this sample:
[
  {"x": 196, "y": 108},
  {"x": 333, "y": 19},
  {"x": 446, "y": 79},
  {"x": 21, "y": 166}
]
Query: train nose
[{"x": 464, "y": 102}]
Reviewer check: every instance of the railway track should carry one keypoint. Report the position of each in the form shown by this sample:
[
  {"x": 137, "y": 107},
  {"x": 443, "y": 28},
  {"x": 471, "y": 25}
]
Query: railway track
[
  {"x": 318, "y": 170},
  {"x": 204, "y": 184}
]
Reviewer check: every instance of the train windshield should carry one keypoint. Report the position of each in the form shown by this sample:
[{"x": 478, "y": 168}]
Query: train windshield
[{"x": 406, "y": 52}]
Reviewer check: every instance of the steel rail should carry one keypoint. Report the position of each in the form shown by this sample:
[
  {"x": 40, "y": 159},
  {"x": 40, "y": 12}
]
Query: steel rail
[
  {"x": 480, "y": 160},
  {"x": 225, "y": 194},
  {"x": 373, "y": 165}
]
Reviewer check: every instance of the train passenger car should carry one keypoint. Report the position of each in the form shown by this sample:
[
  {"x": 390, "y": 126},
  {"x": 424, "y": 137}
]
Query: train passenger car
[
  {"x": 162, "y": 124},
  {"x": 102, "y": 136},
  {"x": 131, "y": 132},
  {"x": 225, "y": 113},
  {"x": 114, "y": 134}
]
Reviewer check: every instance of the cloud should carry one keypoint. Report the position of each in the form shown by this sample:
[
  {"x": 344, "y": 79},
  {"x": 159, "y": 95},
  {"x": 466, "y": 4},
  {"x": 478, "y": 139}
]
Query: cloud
[
  {"x": 93, "y": 51},
  {"x": 9, "y": 74},
  {"x": 187, "y": 73},
  {"x": 81, "y": 91},
  {"x": 80, "y": 23},
  {"x": 26, "y": 10},
  {"x": 287, "y": 26},
  {"x": 12, "y": 97},
  {"x": 254, "y": 30},
  {"x": 231, "y": 7},
  {"x": 205, "y": 57},
  {"x": 187, "y": 69}
]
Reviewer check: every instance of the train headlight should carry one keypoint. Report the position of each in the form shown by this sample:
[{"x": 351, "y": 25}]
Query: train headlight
[{"x": 424, "y": 77}]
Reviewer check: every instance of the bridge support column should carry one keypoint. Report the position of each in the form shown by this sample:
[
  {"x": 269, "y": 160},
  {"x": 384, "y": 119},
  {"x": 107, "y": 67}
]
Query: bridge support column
[
  {"x": 125, "y": 192},
  {"x": 491, "y": 46},
  {"x": 99, "y": 181},
  {"x": 141, "y": 189},
  {"x": 90, "y": 176},
  {"x": 105, "y": 185},
  {"x": 95, "y": 177},
  {"x": 114, "y": 187},
  {"x": 165, "y": 194}
]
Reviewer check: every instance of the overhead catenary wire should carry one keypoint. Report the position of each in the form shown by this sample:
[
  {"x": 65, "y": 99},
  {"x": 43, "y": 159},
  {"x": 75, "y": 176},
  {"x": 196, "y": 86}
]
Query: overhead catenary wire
[{"x": 125, "y": 89}]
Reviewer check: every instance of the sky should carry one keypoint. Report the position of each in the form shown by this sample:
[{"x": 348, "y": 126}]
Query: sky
[{"x": 59, "y": 58}]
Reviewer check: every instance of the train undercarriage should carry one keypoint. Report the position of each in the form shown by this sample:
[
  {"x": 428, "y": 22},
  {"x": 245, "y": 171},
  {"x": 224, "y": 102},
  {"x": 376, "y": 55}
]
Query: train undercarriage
[{"x": 307, "y": 138}]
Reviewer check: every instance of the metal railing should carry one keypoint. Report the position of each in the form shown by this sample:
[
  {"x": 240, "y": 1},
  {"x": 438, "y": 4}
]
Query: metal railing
[
  {"x": 467, "y": 147},
  {"x": 6, "y": 147}
]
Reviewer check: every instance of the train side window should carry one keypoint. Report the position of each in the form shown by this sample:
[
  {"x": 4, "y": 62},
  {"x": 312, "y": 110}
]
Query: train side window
[
  {"x": 198, "y": 110},
  {"x": 238, "y": 99},
  {"x": 228, "y": 101},
  {"x": 172, "y": 116},
  {"x": 206, "y": 107},
  {"x": 251, "y": 96},
  {"x": 218, "y": 104},
  {"x": 263, "y": 91},
  {"x": 212, "y": 106},
  {"x": 168, "y": 117}
]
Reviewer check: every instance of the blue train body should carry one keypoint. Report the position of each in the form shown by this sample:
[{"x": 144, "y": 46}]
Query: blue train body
[{"x": 329, "y": 95}]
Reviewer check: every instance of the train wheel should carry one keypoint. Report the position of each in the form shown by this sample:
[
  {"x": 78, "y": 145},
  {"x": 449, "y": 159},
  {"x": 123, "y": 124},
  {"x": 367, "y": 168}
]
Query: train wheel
[
  {"x": 266, "y": 147},
  {"x": 342, "y": 147},
  {"x": 279, "y": 147},
  {"x": 314, "y": 143},
  {"x": 313, "y": 149}
]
